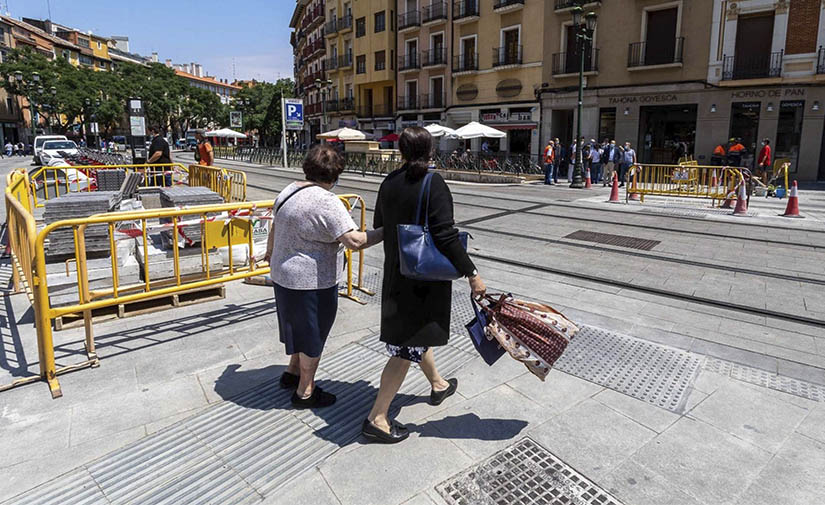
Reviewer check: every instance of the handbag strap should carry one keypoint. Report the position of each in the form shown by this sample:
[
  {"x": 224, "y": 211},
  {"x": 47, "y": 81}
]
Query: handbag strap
[
  {"x": 424, "y": 196},
  {"x": 293, "y": 194}
]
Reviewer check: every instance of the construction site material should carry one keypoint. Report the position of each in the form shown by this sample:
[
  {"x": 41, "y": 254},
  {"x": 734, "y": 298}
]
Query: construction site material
[
  {"x": 186, "y": 196},
  {"x": 75, "y": 205},
  {"x": 162, "y": 260}
]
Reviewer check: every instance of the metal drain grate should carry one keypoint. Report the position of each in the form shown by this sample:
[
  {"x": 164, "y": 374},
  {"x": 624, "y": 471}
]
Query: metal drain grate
[
  {"x": 615, "y": 240},
  {"x": 650, "y": 372},
  {"x": 525, "y": 473},
  {"x": 766, "y": 379}
]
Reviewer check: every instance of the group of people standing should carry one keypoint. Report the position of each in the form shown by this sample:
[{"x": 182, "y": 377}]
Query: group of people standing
[
  {"x": 18, "y": 149},
  {"x": 732, "y": 154},
  {"x": 311, "y": 227},
  {"x": 602, "y": 159}
]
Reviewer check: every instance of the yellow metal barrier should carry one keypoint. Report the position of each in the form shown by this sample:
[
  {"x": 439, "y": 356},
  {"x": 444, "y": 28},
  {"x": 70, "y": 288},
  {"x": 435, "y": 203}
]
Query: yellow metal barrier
[
  {"x": 350, "y": 201},
  {"x": 21, "y": 230},
  {"x": 686, "y": 180},
  {"x": 56, "y": 181},
  {"x": 230, "y": 184}
]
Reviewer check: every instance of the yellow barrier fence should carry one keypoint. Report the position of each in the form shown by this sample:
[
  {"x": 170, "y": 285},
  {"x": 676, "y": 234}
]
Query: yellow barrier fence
[
  {"x": 350, "y": 201},
  {"x": 230, "y": 184},
  {"x": 21, "y": 230},
  {"x": 686, "y": 180},
  {"x": 51, "y": 182}
]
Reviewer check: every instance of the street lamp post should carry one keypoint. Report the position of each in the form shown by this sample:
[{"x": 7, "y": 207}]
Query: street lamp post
[
  {"x": 323, "y": 85},
  {"x": 584, "y": 33},
  {"x": 93, "y": 115}
]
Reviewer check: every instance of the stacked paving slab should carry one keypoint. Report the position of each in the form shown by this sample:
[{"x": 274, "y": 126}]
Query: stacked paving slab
[
  {"x": 188, "y": 196},
  {"x": 78, "y": 205},
  {"x": 110, "y": 179}
]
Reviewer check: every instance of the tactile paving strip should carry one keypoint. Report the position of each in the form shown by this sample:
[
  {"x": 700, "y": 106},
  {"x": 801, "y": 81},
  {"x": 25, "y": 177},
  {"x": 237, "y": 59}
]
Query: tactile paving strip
[
  {"x": 524, "y": 474},
  {"x": 766, "y": 379}
]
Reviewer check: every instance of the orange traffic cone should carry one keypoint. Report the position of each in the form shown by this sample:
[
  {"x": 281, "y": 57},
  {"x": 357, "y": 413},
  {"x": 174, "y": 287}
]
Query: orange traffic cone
[
  {"x": 634, "y": 196},
  {"x": 713, "y": 180},
  {"x": 587, "y": 182},
  {"x": 741, "y": 208},
  {"x": 792, "y": 210},
  {"x": 614, "y": 191}
]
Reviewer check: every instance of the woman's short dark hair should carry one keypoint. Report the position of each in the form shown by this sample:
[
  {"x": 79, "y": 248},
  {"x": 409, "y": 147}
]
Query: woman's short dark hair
[
  {"x": 416, "y": 146},
  {"x": 323, "y": 164},
  {"x": 767, "y": 141}
]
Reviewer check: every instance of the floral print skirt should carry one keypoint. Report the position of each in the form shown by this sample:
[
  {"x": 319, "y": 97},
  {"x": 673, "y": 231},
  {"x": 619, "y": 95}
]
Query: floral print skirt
[{"x": 414, "y": 354}]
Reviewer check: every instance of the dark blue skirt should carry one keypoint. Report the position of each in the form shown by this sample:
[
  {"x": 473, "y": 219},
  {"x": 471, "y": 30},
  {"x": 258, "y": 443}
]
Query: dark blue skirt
[{"x": 305, "y": 318}]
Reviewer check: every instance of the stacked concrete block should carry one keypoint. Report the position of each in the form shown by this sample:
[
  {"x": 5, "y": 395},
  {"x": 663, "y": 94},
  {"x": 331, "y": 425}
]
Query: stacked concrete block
[
  {"x": 186, "y": 196},
  {"x": 162, "y": 260},
  {"x": 78, "y": 205},
  {"x": 110, "y": 179}
]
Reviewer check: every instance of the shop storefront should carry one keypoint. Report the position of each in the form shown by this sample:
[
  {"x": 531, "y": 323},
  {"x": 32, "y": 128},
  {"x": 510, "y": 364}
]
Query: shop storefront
[
  {"x": 519, "y": 121},
  {"x": 657, "y": 119}
]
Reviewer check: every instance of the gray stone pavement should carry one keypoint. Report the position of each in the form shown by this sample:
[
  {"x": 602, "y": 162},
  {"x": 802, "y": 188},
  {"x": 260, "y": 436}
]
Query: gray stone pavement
[{"x": 740, "y": 438}]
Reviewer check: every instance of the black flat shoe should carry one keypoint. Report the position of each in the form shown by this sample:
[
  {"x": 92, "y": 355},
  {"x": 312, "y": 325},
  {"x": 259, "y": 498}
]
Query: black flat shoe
[
  {"x": 289, "y": 380},
  {"x": 318, "y": 399},
  {"x": 398, "y": 432},
  {"x": 436, "y": 397}
]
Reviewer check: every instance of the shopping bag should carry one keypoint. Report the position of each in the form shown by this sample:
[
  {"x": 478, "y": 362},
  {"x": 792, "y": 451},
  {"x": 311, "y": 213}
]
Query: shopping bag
[{"x": 487, "y": 346}]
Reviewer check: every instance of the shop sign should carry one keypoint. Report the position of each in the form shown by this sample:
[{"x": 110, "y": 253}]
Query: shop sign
[
  {"x": 521, "y": 116},
  {"x": 407, "y": 124},
  {"x": 494, "y": 116},
  {"x": 792, "y": 105},
  {"x": 660, "y": 98},
  {"x": 768, "y": 93}
]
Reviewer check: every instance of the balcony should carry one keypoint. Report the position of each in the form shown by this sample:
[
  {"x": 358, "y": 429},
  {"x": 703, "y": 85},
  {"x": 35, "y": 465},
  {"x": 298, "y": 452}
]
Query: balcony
[
  {"x": 752, "y": 67},
  {"x": 333, "y": 105},
  {"x": 640, "y": 55},
  {"x": 346, "y": 104},
  {"x": 345, "y": 24},
  {"x": 569, "y": 63},
  {"x": 561, "y": 5},
  {"x": 507, "y": 56},
  {"x": 331, "y": 63},
  {"x": 382, "y": 110},
  {"x": 507, "y": 5},
  {"x": 820, "y": 61},
  {"x": 409, "y": 21},
  {"x": 465, "y": 63},
  {"x": 408, "y": 103},
  {"x": 314, "y": 109},
  {"x": 345, "y": 61},
  {"x": 331, "y": 28},
  {"x": 432, "y": 101},
  {"x": 433, "y": 57},
  {"x": 434, "y": 13},
  {"x": 409, "y": 62},
  {"x": 465, "y": 11}
]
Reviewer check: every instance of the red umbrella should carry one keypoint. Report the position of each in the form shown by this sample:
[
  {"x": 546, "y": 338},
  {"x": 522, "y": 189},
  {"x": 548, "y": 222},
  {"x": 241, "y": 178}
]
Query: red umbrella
[{"x": 392, "y": 137}]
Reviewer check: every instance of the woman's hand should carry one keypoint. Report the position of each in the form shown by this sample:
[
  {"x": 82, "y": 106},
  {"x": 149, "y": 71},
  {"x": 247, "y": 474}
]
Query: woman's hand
[{"x": 477, "y": 287}]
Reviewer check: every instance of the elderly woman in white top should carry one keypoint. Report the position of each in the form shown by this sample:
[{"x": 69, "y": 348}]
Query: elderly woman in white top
[{"x": 310, "y": 226}]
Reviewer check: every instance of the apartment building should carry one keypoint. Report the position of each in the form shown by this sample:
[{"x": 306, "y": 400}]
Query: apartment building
[
  {"x": 698, "y": 72},
  {"x": 374, "y": 24},
  {"x": 221, "y": 87},
  {"x": 309, "y": 50},
  {"x": 496, "y": 68},
  {"x": 424, "y": 76},
  {"x": 340, "y": 64},
  {"x": 10, "y": 112}
]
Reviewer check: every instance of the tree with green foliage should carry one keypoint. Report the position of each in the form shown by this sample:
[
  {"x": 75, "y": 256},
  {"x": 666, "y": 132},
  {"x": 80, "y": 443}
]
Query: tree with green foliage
[{"x": 261, "y": 107}]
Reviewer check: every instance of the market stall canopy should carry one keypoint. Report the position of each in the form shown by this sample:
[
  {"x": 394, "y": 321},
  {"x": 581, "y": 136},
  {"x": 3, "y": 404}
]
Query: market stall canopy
[
  {"x": 225, "y": 133},
  {"x": 343, "y": 134},
  {"x": 436, "y": 130},
  {"x": 392, "y": 137},
  {"x": 476, "y": 130}
]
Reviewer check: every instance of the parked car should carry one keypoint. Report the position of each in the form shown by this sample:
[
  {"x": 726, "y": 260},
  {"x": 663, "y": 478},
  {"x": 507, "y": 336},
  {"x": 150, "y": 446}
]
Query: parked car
[
  {"x": 56, "y": 149},
  {"x": 38, "y": 145},
  {"x": 180, "y": 144},
  {"x": 191, "y": 145},
  {"x": 119, "y": 142}
]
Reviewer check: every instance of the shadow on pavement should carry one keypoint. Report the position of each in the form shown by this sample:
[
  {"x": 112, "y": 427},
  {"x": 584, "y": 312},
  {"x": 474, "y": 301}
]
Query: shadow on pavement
[{"x": 470, "y": 426}]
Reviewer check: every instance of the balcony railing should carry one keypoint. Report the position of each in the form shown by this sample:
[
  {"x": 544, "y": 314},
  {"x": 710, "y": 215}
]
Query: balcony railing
[
  {"x": 345, "y": 23},
  {"x": 408, "y": 62},
  {"x": 465, "y": 63},
  {"x": 752, "y": 66},
  {"x": 361, "y": 67},
  {"x": 346, "y": 104},
  {"x": 569, "y": 63},
  {"x": 640, "y": 54},
  {"x": 433, "y": 57},
  {"x": 377, "y": 110},
  {"x": 331, "y": 63},
  {"x": 567, "y": 4},
  {"x": 500, "y": 4},
  {"x": 408, "y": 103},
  {"x": 331, "y": 27},
  {"x": 434, "y": 12},
  {"x": 820, "y": 61},
  {"x": 314, "y": 108},
  {"x": 432, "y": 101},
  {"x": 508, "y": 55},
  {"x": 380, "y": 65},
  {"x": 409, "y": 20},
  {"x": 333, "y": 105},
  {"x": 465, "y": 9},
  {"x": 345, "y": 60}
]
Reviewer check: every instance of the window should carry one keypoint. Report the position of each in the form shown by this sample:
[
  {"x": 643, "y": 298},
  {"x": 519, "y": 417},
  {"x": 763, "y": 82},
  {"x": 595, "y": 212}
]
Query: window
[
  {"x": 85, "y": 60},
  {"x": 9, "y": 104},
  {"x": 392, "y": 21},
  {"x": 99, "y": 46},
  {"x": 607, "y": 123},
  {"x": 360, "y": 27},
  {"x": 101, "y": 64},
  {"x": 660, "y": 39},
  {"x": 66, "y": 55},
  {"x": 380, "y": 60},
  {"x": 361, "y": 64},
  {"x": 83, "y": 42},
  {"x": 789, "y": 132},
  {"x": 380, "y": 21}
]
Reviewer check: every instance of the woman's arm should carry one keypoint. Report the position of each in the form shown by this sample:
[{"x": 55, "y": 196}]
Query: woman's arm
[
  {"x": 270, "y": 241},
  {"x": 357, "y": 240},
  {"x": 442, "y": 227}
]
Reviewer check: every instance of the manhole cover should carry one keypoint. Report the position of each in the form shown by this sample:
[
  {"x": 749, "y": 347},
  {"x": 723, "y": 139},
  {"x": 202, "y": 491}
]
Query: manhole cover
[
  {"x": 616, "y": 240},
  {"x": 525, "y": 473}
]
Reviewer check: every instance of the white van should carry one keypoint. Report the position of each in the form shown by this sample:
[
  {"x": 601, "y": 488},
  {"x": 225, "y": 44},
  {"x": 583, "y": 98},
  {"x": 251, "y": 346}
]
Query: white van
[{"x": 38, "y": 145}]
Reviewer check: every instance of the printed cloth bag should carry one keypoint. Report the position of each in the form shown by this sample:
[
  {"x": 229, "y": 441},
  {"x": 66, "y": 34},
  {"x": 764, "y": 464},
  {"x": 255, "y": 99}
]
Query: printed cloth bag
[{"x": 533, "y": 333}]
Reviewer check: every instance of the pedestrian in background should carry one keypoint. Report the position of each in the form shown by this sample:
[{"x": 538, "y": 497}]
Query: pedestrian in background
[
  {"x": 735, "y": 152},
  {"x": 571, "y": 160},
  {"x": 718, "y": 156},
  {"x": 306, "y": 264},
  {"x": 628, "y": 160},
  {"x": 205, "y": 154},
  {"x": 159, "y": 154},
  {"x": 558, "y": 157},
  {"x": 9, "y": 148},
  {"x": 763, "y": 162},
  {"x": 415, "y": 314},
  {"x": 608, "y": 159},
  {"x": 549, "y": 160},
  {"x": 595, "y": 162}
]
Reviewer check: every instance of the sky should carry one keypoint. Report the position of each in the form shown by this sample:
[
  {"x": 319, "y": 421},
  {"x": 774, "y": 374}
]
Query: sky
[{"x": 250, "y": 35}]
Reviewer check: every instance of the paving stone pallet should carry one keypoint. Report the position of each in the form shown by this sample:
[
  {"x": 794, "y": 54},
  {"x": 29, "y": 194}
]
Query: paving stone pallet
[
  {"x": 188, "y": 196},
  {"x": 110, "y": 179},
  {"x": 78, "y": 205}
]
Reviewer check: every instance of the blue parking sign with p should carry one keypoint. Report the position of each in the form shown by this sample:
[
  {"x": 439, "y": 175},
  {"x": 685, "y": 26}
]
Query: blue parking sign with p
[{"x": 294, "y": 114}]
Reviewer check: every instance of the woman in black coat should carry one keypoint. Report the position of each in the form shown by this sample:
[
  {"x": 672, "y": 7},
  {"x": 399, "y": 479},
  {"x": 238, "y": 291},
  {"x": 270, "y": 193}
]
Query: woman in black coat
[{"x": 415, "y": 315}]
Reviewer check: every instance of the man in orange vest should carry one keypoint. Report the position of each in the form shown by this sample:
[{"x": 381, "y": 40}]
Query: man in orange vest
[
  {"x": 207, "y": 157},
  {"x": 718, "y": 156},
  {"x": 549, "y": 161},
  {"x": 735, "y": 152}
]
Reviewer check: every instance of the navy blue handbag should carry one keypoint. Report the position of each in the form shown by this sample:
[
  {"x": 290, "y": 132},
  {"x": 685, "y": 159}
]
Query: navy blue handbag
[
  {"x": 489, "y": 350},
  {"x": 420, "y": 258}
]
